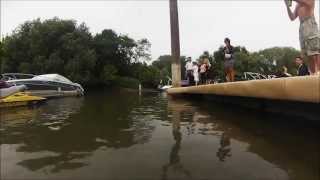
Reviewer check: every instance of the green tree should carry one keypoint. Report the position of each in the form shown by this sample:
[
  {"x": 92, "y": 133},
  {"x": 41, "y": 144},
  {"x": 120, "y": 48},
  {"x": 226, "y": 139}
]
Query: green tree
[
  {"x": 51, "y": 46},
  {"x": 163, "y": 63},
  {"x": 1, "y": 56},
  {"x": 280, "y": 56}
]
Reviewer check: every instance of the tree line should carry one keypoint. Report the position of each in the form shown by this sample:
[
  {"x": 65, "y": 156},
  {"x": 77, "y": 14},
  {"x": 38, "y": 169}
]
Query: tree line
[
  {"x": 63, "y": 47},
  {"x": 269, "y": 61},
  {"x": 108, "y": 58}
]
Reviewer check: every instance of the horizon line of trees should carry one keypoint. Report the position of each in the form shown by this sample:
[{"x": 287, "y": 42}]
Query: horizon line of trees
[
  {"x": 268, "y": 61},
  {"x": 106, "y": 58}
]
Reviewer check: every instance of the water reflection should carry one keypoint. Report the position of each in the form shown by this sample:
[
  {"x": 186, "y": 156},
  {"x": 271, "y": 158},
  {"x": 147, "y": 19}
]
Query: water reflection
[
  {"x": 70, "y": 132},
  {"x": 274, "y": 139},
  {"x": 121, "y": 135},
  {"x": 224, "y": 150},
  {"x": 174, "y": 159},
  {"x": 31, "y": 129},
  {"x": 55, "y": 164}
]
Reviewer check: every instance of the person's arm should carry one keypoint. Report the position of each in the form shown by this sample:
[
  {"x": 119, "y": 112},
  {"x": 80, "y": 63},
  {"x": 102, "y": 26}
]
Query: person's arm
[
  {"x": 309, "y": 3},
  {"x": 292, "y": 15},
  {"x": 305, "y": 70},
  {"x": 231, "y": 52}
]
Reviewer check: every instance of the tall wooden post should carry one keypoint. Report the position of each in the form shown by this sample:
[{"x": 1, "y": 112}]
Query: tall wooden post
[{"x": 175, "y": 44}]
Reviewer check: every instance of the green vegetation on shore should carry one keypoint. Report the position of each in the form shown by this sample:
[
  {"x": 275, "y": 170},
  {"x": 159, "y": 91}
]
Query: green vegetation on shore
[
  {"x": 63, "y": 47},
  {"x": 111, "y": 59}
]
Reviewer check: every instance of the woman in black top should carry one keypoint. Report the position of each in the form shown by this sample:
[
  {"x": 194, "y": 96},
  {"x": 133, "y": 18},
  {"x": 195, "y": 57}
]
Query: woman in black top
[{"x": 228, "y": 51}]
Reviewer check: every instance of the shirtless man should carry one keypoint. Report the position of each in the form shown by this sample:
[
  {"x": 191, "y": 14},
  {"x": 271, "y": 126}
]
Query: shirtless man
[{"x": 308, "y": 33}]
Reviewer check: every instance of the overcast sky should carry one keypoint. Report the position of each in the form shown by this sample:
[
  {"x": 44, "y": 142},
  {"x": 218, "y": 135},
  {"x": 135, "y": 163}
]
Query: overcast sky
[{"x": 203, "y": 24}]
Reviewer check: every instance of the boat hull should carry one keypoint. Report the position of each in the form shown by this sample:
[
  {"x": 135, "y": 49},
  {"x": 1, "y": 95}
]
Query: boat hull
[{"x": 54, "y": 93}]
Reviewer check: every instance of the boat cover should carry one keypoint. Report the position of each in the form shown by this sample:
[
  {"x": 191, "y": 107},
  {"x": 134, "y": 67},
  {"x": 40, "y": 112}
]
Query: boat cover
[{"x": 53, "y": 77}]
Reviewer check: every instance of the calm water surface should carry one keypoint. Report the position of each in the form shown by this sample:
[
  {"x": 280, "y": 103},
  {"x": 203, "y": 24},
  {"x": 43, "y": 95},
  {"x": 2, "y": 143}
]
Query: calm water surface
[{"x": 121, "y": 135}]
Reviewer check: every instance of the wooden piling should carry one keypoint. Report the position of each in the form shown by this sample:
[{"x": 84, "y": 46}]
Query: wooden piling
[{"x": 175, "y": 44}]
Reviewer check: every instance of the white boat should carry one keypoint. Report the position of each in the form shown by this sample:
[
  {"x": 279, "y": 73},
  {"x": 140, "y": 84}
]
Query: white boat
[
  {"x": 46, "y": 85},
  {"x": 162, "y": 87}
]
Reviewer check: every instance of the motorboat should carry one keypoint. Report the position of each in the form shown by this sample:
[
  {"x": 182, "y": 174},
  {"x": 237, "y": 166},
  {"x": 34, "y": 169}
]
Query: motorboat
[
  {"x": 162, "y": 87},
  {"x": 46, "y": 85}
]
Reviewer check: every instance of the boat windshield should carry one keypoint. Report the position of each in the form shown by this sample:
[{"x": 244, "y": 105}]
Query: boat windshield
[
  {"x": 13, "y": 76},
  {"x": 52, "y": 77}
]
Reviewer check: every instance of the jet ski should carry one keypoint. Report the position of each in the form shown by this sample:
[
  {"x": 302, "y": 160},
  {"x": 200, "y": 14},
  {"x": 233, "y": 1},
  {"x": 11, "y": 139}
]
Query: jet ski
[
  {"x": 6, "y": 91},
  {"x": 20, "y": 99},
  {"x": 12, "y": 96}
]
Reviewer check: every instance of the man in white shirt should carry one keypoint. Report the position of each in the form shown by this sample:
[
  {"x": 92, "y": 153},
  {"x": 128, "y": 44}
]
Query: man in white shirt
[{"x": 189, "y": 71}]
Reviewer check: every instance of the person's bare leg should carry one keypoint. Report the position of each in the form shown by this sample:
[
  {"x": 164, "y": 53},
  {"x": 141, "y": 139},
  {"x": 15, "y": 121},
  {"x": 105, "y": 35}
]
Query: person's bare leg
[
  {"x": 232, "y": 74},
  {"x": 317, "y": 63},
  {"x": 227, "y": 75},
  {"x": 312, "y": 64}
]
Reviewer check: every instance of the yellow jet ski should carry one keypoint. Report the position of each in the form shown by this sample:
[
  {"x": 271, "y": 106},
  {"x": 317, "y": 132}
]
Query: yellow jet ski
[{"x": 20, "y": 99}]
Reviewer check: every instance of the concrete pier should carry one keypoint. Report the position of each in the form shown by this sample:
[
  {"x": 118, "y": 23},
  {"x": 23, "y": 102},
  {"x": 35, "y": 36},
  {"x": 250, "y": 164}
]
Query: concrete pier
[{"x": 299, "y": 89}]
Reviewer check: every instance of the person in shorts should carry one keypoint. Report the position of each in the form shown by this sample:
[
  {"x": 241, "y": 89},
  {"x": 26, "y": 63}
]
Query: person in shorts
[
  {"x": 228, "y": 52},
  {"x": 308, "y": 32}
]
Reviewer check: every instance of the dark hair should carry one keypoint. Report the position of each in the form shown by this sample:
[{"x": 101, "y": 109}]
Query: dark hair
[{"x": 227, "y": 40}]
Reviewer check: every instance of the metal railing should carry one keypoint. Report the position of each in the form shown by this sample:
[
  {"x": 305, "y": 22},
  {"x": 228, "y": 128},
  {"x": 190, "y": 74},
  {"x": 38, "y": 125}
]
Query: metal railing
[{"x": 257, "y": 76}]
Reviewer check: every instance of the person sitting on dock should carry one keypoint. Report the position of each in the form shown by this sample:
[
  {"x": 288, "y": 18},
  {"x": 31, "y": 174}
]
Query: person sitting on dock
[
  {"x": 283, "y": 72},
  {"x": 308, "y": 33},
  {"x": 302, "y": 67},
  {"x": 228, "y": 51},
  {"x": 189, "y": 71}
]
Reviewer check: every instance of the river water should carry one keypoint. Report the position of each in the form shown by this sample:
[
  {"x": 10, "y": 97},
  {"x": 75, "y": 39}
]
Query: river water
[{"x": 124, "y": 135}]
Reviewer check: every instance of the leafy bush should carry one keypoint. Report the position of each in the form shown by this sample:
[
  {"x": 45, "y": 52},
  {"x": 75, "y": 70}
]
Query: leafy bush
[{"x": 126, "y": 82}]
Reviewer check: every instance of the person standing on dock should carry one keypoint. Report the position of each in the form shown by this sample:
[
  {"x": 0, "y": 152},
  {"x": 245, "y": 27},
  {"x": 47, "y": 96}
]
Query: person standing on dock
[
  {"x": 308, "y": 33},
  {"x": 203, "y": 72},
  {"x": 302, "y": 67},
  {"x": 228, "y": 51},
  {"x": 195, "y": 72},
  {"x": 189, "y": 71}
]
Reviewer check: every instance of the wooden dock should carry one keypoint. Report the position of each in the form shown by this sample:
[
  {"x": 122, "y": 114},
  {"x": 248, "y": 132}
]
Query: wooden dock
[{"x": 299, "y": 89}]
